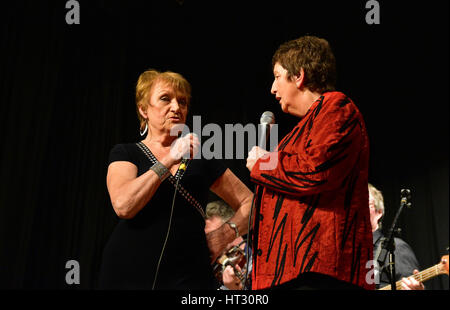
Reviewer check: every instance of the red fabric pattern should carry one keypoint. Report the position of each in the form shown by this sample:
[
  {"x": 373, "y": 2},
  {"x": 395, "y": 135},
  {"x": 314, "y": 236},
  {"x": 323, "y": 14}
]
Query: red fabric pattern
[{"x": 312, "y": 209}]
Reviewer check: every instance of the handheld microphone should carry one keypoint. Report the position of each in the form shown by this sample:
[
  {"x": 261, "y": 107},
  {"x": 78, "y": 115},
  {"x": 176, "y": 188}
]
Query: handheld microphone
[
  {"x": 267, "y": 119},
  {"x": 184, "y": 161}
]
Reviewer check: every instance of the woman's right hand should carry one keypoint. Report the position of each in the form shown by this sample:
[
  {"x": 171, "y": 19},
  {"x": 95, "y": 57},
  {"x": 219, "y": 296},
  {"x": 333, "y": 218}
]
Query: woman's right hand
[{"x": 185, "y": 147}]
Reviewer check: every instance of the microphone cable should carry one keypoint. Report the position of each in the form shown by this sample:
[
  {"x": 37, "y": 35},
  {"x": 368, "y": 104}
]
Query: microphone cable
[{"x": 183, "y": 166}]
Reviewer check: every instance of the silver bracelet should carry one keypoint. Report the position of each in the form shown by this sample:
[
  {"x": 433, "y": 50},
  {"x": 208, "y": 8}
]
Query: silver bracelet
[
  {"x": 233, "y": 225},
  {"x": 160, "y": 170}
]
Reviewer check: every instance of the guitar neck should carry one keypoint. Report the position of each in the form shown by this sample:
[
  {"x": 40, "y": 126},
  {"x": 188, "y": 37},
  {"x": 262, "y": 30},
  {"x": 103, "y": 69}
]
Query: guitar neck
[{"x": 422, "y": 276}]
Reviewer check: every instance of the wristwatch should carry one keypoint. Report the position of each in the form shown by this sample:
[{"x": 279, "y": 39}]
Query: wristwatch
[{"x": 233, "y": 225}]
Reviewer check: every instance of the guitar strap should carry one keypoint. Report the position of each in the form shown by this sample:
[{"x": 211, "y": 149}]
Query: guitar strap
[{"x": 173, "y": 180}]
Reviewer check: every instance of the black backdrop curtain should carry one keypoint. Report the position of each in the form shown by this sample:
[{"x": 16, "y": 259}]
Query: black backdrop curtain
[{"x": 67, "y": 96}]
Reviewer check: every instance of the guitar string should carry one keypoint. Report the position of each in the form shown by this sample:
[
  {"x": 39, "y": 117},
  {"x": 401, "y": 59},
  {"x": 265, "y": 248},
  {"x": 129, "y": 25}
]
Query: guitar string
[{"x": 421, "y": 276}]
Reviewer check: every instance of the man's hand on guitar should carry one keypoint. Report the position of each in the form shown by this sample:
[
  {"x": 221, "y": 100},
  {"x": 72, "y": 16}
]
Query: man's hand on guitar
[
  {"x": 230, "y": 280},
  {"x": 412, "y": 284}
]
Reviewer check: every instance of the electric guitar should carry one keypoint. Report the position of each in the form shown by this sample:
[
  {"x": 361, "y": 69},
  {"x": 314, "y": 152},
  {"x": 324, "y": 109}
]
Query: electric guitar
[{"x": 427, "y": 274}]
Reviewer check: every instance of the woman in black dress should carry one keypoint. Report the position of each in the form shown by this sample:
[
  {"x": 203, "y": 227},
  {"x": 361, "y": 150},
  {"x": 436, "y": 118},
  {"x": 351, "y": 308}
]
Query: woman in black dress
[{"x": 155, "y": 245}]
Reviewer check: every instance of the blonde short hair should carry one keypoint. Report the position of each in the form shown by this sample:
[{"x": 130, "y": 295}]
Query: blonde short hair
[
  {"x": 219, "y": 208},
  {"x": 378, "y": 199},
  {"x": 148, "y": 79}
]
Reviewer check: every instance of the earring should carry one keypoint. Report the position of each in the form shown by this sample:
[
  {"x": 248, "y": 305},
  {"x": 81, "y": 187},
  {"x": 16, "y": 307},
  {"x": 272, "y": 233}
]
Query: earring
[{"x": 145, "y": 130}]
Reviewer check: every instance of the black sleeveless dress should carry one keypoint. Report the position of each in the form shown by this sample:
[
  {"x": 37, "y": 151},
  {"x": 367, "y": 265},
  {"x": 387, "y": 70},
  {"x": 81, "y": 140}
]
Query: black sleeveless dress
[{"x": 131, "y": 255}]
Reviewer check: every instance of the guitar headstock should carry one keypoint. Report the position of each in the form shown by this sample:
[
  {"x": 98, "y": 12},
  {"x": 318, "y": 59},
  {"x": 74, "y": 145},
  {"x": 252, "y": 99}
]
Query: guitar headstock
[{"x": 443, "y": 266}]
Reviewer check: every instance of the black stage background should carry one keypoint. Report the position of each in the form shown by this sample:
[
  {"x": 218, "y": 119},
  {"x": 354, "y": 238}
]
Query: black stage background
[{"x": 67, "y": 96}]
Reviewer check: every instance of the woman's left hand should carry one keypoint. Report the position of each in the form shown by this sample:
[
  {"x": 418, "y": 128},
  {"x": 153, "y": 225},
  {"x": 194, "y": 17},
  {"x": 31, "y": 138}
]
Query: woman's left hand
[{"x": 237, "y": 195}]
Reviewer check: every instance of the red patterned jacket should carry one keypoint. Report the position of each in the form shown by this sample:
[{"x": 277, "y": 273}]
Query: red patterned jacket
[{"x": 312, "y": 210}]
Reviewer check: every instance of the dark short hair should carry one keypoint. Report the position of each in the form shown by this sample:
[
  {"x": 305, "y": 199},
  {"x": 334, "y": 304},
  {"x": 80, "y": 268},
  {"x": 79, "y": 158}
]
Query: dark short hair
[{"x": 315, "y": 56}]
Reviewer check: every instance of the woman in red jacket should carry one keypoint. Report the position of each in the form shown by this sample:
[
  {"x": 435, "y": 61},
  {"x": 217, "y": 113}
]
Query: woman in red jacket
[{"x": 312, "y": 226}]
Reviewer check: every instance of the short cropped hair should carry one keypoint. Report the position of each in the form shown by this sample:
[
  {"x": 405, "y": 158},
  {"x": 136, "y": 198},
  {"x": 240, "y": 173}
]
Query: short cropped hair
[
  {"x": 148, "y": 79},
  {"x": 315, "y": 56},
  {"x": 219, "y": 208}
]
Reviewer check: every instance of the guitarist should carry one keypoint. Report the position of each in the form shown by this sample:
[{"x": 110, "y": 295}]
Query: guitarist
[
  {"x": 217, "y": 213},
  {"x": 405, "y": 261}
]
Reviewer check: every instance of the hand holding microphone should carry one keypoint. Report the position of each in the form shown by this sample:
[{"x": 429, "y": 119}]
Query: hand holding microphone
[
  {"x": 266, "y": 120},
  {"x": 255, "y": 153},
  {"x": 185, "y": 147}
]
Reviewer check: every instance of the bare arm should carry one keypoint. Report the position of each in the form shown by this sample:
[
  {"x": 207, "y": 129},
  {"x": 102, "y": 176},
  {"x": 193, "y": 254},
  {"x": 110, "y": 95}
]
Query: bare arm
[
  {"x": 237, "y": 195},
  {"x": 129, "y": 193}
]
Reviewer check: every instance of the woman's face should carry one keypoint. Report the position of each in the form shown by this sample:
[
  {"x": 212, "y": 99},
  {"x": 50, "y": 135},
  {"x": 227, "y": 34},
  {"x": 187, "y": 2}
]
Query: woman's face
[
  {"x": 285, "y": 90},
  {"x": 166, "y": 109}
]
